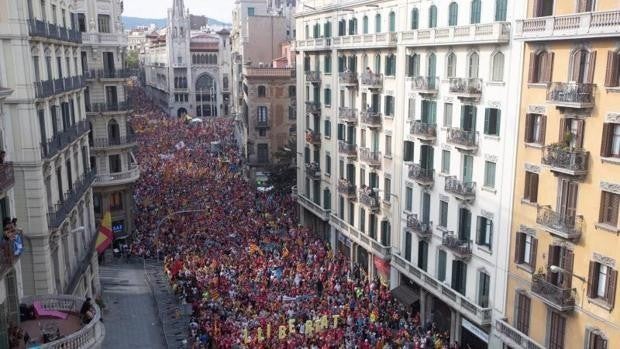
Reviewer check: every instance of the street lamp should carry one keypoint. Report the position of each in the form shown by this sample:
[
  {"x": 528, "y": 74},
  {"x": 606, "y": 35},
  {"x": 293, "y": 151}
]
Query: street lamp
[{"x": 556, "y": 270}]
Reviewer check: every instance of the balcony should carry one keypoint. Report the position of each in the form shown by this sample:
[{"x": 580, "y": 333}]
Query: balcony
[
  {"x": 423, "y": 176},
  {"x": 313, "y": 207},
  {"x": 423, "y": 230},
  {"x": 372, "y": 158},
  {"x": 316, "y": 44},
  {"x": 348, "y": 79},
  {"x": 38, "y": 28},
  {"x": 377, "y": 40},
  {"x": 460, "y": 248},
  {"x": 313, "y": 137},
  {"x": 369, "y": 198},
  {"x": 426, "y": 85},
  {"x": 48, "y": 88},
  {"x": 372, "y": 80},
  {"x": 557, "y": 297},
  {"x": 118, "y": 107},
  {"x": 424, "y": 131},
  {"x": 262, "y": 124},
  {"x": 513, "y": 337},
  {"x": 109, "y": 74},
  {"x": 474, "y": 312},
  {"x": 365, "y": 241},
  {"x": 61, "y": 140},
  {"x": 346, "y": 188},
  {"x": 566, "y": 160},
  {"x": 570, "y": 27},
  {"x": 8, "y": 255},
  {"x": 129, "y": 140},
  {"x": 559, "y": 224},
  {"x": 348, "y": 115},
  {"x": 350, "y": 150},
  {"x": 313, "y": 170},
  {"x": 474, "y": 34},
  {"x": 313, "y": 77},
  {"x": 73, "y": 334},
  {"x": 7, "y": 177},
  {"x": 63, "y": 208},
  {"x": 120, "y": 178},
  {"x": 462, "y": 139},
  {"x": 571, "y": 95},
  {"x": 466, "y": 88},
  {"x": 371, "y": 118},
  {"x": 461, "y": 190},
  {"x": 313, "y": 108}
]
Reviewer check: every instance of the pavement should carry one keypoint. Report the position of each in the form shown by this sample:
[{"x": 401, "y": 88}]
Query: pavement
[{"x": 130, "y": 317}]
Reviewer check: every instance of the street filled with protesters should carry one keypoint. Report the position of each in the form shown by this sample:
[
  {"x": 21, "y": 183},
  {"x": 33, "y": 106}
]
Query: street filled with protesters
[{"x": 254, "y": 277}]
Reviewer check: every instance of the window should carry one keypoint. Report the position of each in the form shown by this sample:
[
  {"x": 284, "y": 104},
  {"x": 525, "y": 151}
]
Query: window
[
  {"x": 432, "y": 16},
  {"x": 610, "y": 147},
  {"x": 408, "y": 199},
  {"x": 500, "y": 10},
  {"x": 378, "y": 63},
  {"x": 441, "y": 265},
  {"x": 443, "y": 214},
  {"x": 341, "y": 132},
  {"x": 413, "y": 65},
  {"x": 327, "y": 64},
  {"x": 596, "y": 340},
  {"x": 453, "y": 14},
  {"x": 459, "y": 276},
  {"x": 261, "y": 114},
  {"x": 377, "y": 23},
  {"x": 387, "y": 190},
  {"x": 292, "y": 91},
  {"x": 612, "y": 73},
  {"x": 251, "y": 11},
  {"x": 408, "y": 151},
  {"x": 389, "y": 105},
  {"x": 485, "y": 232},
  {"x": 365, "y": 24},
  {"x": 522, "y": 312},
  {"x": 390, "y": 65},
  {"x": 353, "y": 26},
  {"x": 327, "y": 29},
  {"x": 492, "y": 119},
  {"x": 327, "y": 199},
  {"x": 540, "y": 67},
  {"x": 535, "y": 127},
  {"x": 362, "y": 220},
  {"x": 410, "y": 109},
  {"x": 327, "y": 93},
  {"x": 392, "y": 22},
  {"x": 544, "y": 8},
  {"x": 489, "y": 174},
  {"x": 388, "y": 145},
  {"x": 475, "y": 12},
  {"x": 115, "y": 163},
  {"x": 484, "y": 282},
  {"x": 408, "y": 246},
  {"x": 610, "y": 203},
  {"x": 262, "y": 91},
  {"x": 415, "y": 19},
  {"x": 602, "y": 282},
  {"x": 473, "y": 65},
  {"x": 497, "y": 73},
  {"x": 104, "y": 23},
  {"x": 328, "y": 128},
  {"x": 447, "y": 114},
  {"x": 582, "y": 66},
  {"x": 116, "y": 201},
  {"x": 445, "y": 161},
  {"x": 451, "y": 65},
  {"x": 464, "y": 228},
  {"x": 422, "y": 255},
  {"x": 351, "y": 213},
  {"x": 530, "y": 190},
  {"x": 557, "y": 330},
  {"x": 342, "y": 27},
  {"x": 263, "y": 153}
]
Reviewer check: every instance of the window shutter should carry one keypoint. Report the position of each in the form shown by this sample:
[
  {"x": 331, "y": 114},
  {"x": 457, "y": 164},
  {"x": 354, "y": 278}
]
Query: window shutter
[
  {"x": 548, "y": 67},
  {"x": 575, "y": 66},
  {"x": 611, "y": 73},
  {"x": 487, "y": 111},
  {"x": 536, "y": 8},
  {"x": 519, "y": 248},
  {"x": 532, "y": 70},
  {"x": 543, "y": 128},
  {"x": 567, "y": 264},
  {"x": 479, "y": 238},
  {"x": 603, "y": 207},
  {"x": 562, "y": 130},
  {"x": 592, "y": 279},
  {"x": 606, "y": 141},
  {"x": 534, "y": 188},
  {"x": 581, "y": 124},
  {"x": 528, "y": 128},
  {"x": 591, "y": 66},
  {"x": 534, "y": 252},
  {"x": 612, "y": 279},
  {"x": 551, "y": 257}
]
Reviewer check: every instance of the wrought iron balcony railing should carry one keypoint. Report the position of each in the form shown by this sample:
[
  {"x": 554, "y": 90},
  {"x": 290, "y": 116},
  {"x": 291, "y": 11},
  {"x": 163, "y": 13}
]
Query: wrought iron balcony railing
[
  {"x": 558, "y": 297},
  {"x": 347, "y": 114},
  {"x": 348, "y": 78},
  {"x": 262, "y": 124},
  {"x": 423, "y": 230},
  {"x": 423, "y": 130},
  {"x": 48, "y": 88},
  {"x": 424, "y": 176},
  {"x": 313, "y": 137},
  {"x": 560, "y": 224},
  {"x": 109, "y": 107},
  {"x": 346, "y": 188},
  {"x": 426, "y": 84},
  {"x": 565, "y": 159},
  {"x": 313, "y": 107},
  {"x": 313, "y": 76},
  {"x": 61, "y": 210},
  {"x": 63, "y": 139},
  {"x": 461, "y": 248},
  {"x": 372, "y": 158},
  {"x": 109, "y": 74},
  {"x": 112, "y": 142},
  {"x": 466, "y": 87},
  {"x": 347, "y": 148},
  {"x": 371, "y": 118},
  {"x": 461, "y": 190},
  {"x": 7, "y": 176},
  {"x": 571, "y": 94},
  {"x": 38, "y": 28},
  {"x": 313, "y": 170},
  {"x": 369, "y": 198},
  {"x": 463, "y": 139},
  {"x": 372, "y": 80}
]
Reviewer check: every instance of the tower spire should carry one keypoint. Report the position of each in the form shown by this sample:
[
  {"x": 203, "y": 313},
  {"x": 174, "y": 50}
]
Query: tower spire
[{"x": 178, "y": 8}]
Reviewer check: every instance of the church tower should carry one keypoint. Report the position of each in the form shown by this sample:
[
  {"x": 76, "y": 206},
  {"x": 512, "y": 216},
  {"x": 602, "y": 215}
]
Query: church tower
[{"x": 178, "y": 47}]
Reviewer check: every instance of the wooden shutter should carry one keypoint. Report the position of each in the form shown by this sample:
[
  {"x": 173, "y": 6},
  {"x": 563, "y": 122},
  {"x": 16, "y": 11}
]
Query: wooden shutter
[
  {"x": 536, "y": 8},
  {"x": 611, "y": 73},
  {"x": 534, "y": 187},
  {"x": 543, "y": 129},
  {"x": 581, "y": 124},
  {"x": 592, "y": 279},
  {"x": 548, "y": 72},
  {"x": 532, "y": 69},
  {"x": 526, "y": 187},
  {"x": 591, "y": 67},
  {"x": 571, "y": 202},
  {"x": 562, "y": 130},
  {"x": 575, "y": 66},
  {"x": 612, "y": 279},
  {"x": 551, "y": 257},
  {"x": 567, "y": 264},
  {"x": 534, "y": 253},
  {"x": 606, "y": 141},
  {"x": 528, "y": 128},
  {"x": 519, "y": 244}
]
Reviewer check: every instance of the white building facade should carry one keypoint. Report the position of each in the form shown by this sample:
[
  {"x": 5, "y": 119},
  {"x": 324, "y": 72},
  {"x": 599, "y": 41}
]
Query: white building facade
[{"x": 409, "y": 112}]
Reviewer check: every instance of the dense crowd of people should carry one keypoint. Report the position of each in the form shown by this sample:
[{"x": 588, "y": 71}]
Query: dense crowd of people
[{"x": 254, "y": 277}]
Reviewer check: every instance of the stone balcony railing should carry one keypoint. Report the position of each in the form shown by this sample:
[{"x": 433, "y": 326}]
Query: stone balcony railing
[
  {"x": 461, "y": 190},
  {"x": 560, "y": 224},
  {"x": 313, "y": 77},
  {"x": 347, "y": 114},
  {"x": 61, "y": 140},
  {"x": 428, "y": 85},
  {"x": 372, "y": 158},
  {"x": 375, "y": 40},
  {"x": 423, "y": 230},
  {"x": 313, "y": 137},
  {"x": 423, "y": 176},
  {"x": 572, "y": 26},
  {"x": 371, "y": 118},
  {"x": 566, "y": 160},
  {"x": 312, "y": 44},
  {"x": 555, "y": 296},
  {"x": 38, "y": 28},
  {"x": 462, "y": 139},
  {"x": 130, "y": 139},
  {"x": 513, "y": 337},
  {"x": 369, "y": 198},
  {"x": 348, "y": 78},
  {"x": 482, "y": 33},
  {"x": 129, "y": 176},
  {"x": 424, "y": 131},
  {"x": 347, "y": 149},
  {"x": 267, "y": 72},
  {"x": 86, "y": 336},
  {"x": 313, "y": 170},
  {"x": 346, "y": 188},
  {"x": 61, "y": 210},
  {"x": 105, "y": 107},
  {"x": 466, "y": 87},
  {"x": 7, "y": 176},
  {"x": 460, "y": 248},
  {"x": 313, "y": 107},
  {"x": 366, "y": 241},
  {"x": 116, "y": 39},
  {"x": 372, "y": 80},
  {"x": 571, "y": 95}
]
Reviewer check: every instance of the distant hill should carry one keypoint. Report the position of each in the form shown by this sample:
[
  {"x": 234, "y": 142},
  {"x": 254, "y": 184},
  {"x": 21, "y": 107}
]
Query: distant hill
[{"x": 132, "y": 22}]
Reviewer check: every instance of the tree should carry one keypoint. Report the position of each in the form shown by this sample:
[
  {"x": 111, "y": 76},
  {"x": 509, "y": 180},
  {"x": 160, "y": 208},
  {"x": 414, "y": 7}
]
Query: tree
[{"x": 133, "y": 59}]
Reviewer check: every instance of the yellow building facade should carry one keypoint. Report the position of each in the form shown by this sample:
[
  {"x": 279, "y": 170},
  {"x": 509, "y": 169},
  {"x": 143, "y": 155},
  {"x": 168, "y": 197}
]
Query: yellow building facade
[{"x": 565, "y": 252}]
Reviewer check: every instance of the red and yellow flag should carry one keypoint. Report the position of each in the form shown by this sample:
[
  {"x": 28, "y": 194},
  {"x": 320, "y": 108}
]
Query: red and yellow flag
[{"x": 105, "y": 236}]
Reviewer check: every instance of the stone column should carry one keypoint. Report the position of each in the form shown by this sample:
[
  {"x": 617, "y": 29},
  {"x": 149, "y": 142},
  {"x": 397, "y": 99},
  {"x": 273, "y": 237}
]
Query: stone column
[{"x": 423, "y": 295}]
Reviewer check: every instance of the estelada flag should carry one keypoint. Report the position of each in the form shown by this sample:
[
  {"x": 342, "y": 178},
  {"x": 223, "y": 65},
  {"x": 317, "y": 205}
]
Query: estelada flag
[{"x": 105, "y": 236}]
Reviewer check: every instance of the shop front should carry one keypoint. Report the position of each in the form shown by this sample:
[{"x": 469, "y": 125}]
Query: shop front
[
  {"x": 362, "y": 258},
  {"x": 382, "y": 268},
  {"x": 343, "y": 245},
  {"x": 473, "y": 336}
]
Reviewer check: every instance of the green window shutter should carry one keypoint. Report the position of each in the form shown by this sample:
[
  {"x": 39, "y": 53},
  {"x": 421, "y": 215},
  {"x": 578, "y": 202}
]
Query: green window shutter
[{"x": 487, "y": 116}]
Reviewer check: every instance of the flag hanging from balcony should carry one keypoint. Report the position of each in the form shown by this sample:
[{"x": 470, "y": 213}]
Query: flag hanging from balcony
[{"x": 105, "y": 236}]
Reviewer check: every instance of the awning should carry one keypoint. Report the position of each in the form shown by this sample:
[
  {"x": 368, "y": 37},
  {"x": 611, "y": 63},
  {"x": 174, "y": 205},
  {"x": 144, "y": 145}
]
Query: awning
[{"x": 405, "y": 295}]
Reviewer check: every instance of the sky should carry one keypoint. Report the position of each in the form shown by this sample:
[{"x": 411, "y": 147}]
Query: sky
[{"x": 217, "y": 9}]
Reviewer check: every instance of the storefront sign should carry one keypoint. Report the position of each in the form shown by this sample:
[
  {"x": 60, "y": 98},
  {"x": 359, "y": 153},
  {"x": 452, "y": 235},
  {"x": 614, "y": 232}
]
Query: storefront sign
[
  {"x": 345, "y": 240},
  {"x": 475, "y": 330}
]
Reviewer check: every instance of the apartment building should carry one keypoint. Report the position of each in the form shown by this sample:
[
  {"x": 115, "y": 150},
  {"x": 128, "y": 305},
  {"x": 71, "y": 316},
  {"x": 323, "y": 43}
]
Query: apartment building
[
  {"x": 409, "y": 112},
  {"x": 563, "y": 273},
  {"x": 108, "y": 108}
]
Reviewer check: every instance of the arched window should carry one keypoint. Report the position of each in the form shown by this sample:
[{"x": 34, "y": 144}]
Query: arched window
[
  {"x": 413, "y": 65},
  {"x": 453, "y": 14},
  {"x": 415, "y": 19},
  {"x": 114, "y": 134},
  {"x": 390, "y": 65},
  {"x": 475, "y": 12},
  {"x": 392, "y": 22},
  {"x": 342, "y": 27},
  {"x": 225, "y": 83},
  {"x": 473, "y": 65},
  {"x": 582, "y": 66},
  {"x": 431, "y": 69},
  {"x": 497, "y": 71},
  {"x": 432, "y": 16},
  {"x": 377, "y": 23},
  {"x": 378, "y": 64},
  {"x": 262, "y": 92},
  {"x": 451, "y": 65},
  {"x": 541, "y": 64},
  {"x": 194, "y": 59},
  {"x": 353, "y": 26},
  {"x": 500, "y": 10},
  {"x": 205, "y": 83},
  {"x": 365, "y": 24}
]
